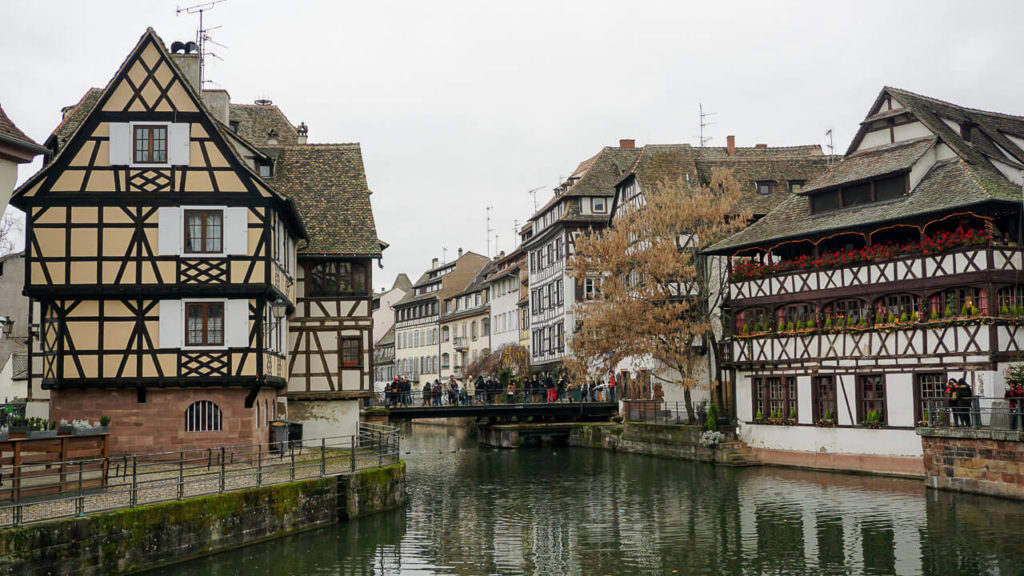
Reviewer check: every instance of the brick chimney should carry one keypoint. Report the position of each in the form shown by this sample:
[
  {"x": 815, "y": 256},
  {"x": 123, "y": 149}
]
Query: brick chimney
[
  {"x": 433, "y": 263},
  {"x": 730, "y": 144},
  {"x": 760, "y": 145},
  {"x": 627, "y": 143}
]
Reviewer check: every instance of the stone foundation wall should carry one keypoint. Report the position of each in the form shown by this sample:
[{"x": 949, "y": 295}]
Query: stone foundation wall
[
  {"x": 978, "y": 461},
  {"x": 158, "y": 424},
  {"x": 672, "y": 441},
  {"x": 127, "y": 541}
]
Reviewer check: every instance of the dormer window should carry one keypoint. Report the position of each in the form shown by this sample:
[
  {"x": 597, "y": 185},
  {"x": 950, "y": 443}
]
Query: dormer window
[
  {"x": 150, "y": 144},
  {"x": 266, "y": 169},
  {"x": 869, "y": 192},
  {"x": 764, "y": 187}
]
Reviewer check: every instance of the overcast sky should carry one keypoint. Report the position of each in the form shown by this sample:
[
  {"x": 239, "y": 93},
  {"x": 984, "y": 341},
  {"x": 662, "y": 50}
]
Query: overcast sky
[{"x": 463, "y": 105}]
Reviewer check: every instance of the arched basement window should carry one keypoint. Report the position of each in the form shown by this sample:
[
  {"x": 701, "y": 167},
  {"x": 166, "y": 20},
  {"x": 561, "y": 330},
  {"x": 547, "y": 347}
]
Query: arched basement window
[{"x": 202, "y": 416}]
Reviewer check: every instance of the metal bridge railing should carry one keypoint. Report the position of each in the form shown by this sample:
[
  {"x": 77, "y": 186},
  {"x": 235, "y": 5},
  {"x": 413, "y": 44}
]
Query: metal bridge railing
[
  {"x": 479, "y": 397},
  {"x": 36, "y": 492}
]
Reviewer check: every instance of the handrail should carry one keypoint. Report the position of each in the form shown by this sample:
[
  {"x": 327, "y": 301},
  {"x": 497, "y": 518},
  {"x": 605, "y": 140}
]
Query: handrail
[
  {"x": 976, "y": 412},
  {"x": 44, "y": 491}
]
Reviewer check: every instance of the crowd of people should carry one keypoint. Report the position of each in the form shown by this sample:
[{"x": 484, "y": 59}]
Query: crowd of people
[{"x": 538, "y": 388}]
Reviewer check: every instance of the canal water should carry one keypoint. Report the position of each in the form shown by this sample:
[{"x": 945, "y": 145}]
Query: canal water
[{"x": 559, "y": 510}]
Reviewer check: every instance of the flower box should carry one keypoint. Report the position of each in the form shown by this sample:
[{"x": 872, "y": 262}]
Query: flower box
[
  {"x": 825, "y": 423},
  {"x": 42, "y": 434}
]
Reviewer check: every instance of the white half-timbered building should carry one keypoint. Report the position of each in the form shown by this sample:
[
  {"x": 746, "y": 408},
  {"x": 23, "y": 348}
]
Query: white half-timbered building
[{"x": 854, "y": 301}]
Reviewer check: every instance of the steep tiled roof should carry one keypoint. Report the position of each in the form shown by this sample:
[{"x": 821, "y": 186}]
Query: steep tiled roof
[
  {"x": 873, "y": 162},
  {"x": 780, "y": 165},
  {"x": 596, "y": 176},
  {"x": 73, "y": 118},
  {"x": 328, "y": 184},
  {"x": 388, "y": 339},
  {"x": 255, "y": 121},
  {"x": 967, "y": 180},
  {"x": 948, "y": 185},
  {"x": 8, "y": 129}
]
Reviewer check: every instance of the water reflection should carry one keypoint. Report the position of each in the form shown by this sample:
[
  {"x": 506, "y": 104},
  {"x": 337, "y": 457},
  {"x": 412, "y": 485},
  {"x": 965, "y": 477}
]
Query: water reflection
[{"x": 557, "y": 510}]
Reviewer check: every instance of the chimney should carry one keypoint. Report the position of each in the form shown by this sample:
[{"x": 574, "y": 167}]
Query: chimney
[
  {"x": 303, "y": 131},
  {"x": 627, "y": 143},
  {"x": 730, "y": 144},
  {"x": 217, "y": 101},
  {"x": 760, "y": 145},
  {"x": 460, "y": 252},
  {"x": 189, "y": 64},
  {"x": 433, "y": 263}
]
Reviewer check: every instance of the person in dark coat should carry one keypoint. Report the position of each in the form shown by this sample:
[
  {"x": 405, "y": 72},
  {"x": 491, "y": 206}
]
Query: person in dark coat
[
  {"x": 1014, "y": 393},
  {"x": 964, "y": 400}
]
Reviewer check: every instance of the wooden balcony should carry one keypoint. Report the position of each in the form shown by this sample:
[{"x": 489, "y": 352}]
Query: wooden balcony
[{"x": 916, "y": 267}]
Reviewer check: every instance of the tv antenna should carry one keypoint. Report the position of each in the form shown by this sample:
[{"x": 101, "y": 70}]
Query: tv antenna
[
  {"x": 831, "y": 147},
  {"x": 489, "y": 230},
  {"x": 202, "y": 34},
  {"x": 704, "y": 124},
  {"x": 534, "y": 193},
  {"x": 444, "y": 254}
]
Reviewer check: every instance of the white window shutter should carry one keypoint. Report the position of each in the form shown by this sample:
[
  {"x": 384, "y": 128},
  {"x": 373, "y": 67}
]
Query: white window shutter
[
  {"x": 172, "y": 324},
  {"x": 170, "y": 231},
  {"x": 236, "y": 322},
  {"x": 236, "y": 230},
  {"x": 120, "y": 144},
  {"x": 178, "y": 136}
]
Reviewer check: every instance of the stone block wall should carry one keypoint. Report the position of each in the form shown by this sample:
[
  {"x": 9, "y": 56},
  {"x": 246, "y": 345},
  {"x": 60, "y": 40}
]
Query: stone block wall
[
  {"x": 978, "y": 461},
  {"x": 371, "y": 491},
  {"x": 158, "y": 424}
]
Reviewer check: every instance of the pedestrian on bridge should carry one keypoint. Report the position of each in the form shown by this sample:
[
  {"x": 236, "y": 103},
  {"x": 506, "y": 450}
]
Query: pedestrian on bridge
[{"x": 426, "y": 394}]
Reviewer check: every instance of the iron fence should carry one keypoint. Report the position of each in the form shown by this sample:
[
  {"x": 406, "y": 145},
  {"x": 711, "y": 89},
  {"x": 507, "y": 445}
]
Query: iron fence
[
  {"x": 979, "y": 412},
  {"x": 652, "y": 412},
  {"x": 36, "y": 492}
]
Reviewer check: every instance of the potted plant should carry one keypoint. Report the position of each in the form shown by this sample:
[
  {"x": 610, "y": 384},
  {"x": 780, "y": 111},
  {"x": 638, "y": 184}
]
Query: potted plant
[
  {"x": 792, "y": 418},
  {"x": 40, "y": 428},
  {"x": 826, "y": 421},
  {"x": 759, "y": 417},
  {"x": 85, "y": 428},
  {"x": 19, "y": 427},
  {"x": 872, "y": 420},
  {"x": 105, "y": 423},
  {"x": 65, "y": 429}
]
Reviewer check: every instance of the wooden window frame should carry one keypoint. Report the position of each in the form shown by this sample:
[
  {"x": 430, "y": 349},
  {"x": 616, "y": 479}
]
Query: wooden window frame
[
  {"x": 203, "y": 231},
  {"x": 353, "y": 273},
  {"x": 147, "y": 133},
  {"x": 862, "y": 412},
  {"x": 343, "y": 351},
  {"x": 206, "y": 341},
  {"x": 593, "y": 205},
  {"x": 919, "y": 397},
  {"x": 872, "y": 194},
  {"x": 816, "y": 397},
  {"x": 764, "y": 403}
]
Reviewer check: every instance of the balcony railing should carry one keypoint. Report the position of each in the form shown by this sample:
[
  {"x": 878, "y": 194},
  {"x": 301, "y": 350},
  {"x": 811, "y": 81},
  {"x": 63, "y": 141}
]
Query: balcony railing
[
  {"x": 460, "y": 342},
  {"x": 902, "y": 268}
]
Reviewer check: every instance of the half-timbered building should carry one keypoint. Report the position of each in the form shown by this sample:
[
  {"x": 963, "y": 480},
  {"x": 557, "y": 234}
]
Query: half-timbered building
[
  {"x": 160, "y": 267},
  {"x": 855, "y": 300}
]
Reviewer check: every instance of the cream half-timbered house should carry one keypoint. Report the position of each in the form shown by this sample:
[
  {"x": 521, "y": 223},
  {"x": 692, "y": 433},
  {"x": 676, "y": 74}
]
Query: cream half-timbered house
[
  {"x": 856, "y": 299},
  {"x": 156, "y": 258}
]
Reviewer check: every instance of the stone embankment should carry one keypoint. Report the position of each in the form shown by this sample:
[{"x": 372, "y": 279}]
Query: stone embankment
[
  {"x": 668, "y": 440},
  {"x": 130, "y": 540}
]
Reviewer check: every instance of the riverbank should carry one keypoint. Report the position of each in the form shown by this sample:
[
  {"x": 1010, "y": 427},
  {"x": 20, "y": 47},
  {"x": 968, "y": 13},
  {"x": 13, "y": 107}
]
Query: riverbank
[{"x": 135, "y": 539}]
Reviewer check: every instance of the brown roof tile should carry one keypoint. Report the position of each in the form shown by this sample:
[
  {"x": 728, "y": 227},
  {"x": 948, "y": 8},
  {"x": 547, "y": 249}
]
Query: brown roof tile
[{"x": 7, "y": 128}]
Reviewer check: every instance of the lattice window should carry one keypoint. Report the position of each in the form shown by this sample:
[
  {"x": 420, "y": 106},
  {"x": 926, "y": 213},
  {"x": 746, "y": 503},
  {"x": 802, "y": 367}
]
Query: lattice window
[
  {"x": 1011, "y": 297},
  {"x": 336, "y": 278},
  {"x": 351, "y": 353},
  {"x": 930, "y": 387},
  {"x": 958, "y": 301},
  {"x": 896, "y": 305},
  {"x": 849, "y": 310},
  {"x": 775, "y": 395},
  {"x": 203, "y": 416}
]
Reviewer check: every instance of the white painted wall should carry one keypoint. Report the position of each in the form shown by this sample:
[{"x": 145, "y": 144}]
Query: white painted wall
[
  {"x": 910, "y": 131},
  {"x": 325, "y": 419},
  {"x": 884, "y": 442},
  {"x": 384, "y": 317},
  {"x": 873, "y": 139},
  {"x": 899, "y": 398}
]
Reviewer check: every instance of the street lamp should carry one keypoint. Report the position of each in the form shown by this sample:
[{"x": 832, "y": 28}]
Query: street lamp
[
  {"x": 279, "y": 307},
  {"x": 7, "y": 326}
]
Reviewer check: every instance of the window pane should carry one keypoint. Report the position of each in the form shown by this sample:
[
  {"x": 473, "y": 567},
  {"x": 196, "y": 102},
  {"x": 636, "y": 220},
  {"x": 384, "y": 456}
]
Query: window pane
[
  {"x": 215, "y": 324},
  {"x": 159, "y": 144},
  {"x": 194, "y": 326},
  {"x": 890, "y": 188},
  {"x": 213, "y": 231},
  {"x": 825, "y": 201},
  {"x": 856, "y": 195},
  {"x": 193, "y": 231}
]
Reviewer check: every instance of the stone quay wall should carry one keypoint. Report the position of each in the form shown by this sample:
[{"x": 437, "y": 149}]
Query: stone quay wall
[
  {"x": 136, "y": 539},
  {"x": 666, "y": 440},
  {"x": 977, "y": 461}
]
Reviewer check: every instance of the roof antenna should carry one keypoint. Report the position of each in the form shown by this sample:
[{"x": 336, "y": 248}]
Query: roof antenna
[
  {"x": 704, "y": 124},
  {"x": 534, "y": 193},
  {"x": 444, "y": 254},
  {"x": 489, "y": 230},
  {"x": 202, "y": 34},
  {"x": 831, "y": 147}
]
